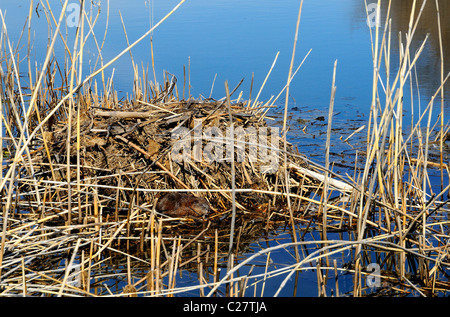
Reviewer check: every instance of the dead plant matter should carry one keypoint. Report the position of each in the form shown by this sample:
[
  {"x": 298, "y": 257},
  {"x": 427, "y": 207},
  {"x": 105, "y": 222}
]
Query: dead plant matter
[{"x": 130, "y": 146}]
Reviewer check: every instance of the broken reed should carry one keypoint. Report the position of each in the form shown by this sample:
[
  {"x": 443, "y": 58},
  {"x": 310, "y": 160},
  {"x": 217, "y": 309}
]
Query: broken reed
[{"x": 58, "y": 238}]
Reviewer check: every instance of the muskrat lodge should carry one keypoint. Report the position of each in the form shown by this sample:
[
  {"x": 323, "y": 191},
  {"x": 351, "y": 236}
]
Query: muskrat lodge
[{"x": 124, "y": 151}]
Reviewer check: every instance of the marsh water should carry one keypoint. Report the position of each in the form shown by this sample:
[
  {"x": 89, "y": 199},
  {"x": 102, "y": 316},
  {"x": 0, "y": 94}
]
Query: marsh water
[{"x": 210, "y": 42}]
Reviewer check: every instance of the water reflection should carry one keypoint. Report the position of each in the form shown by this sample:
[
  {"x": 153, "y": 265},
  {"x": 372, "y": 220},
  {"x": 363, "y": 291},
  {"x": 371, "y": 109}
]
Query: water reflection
[{"x": 429, "y": 64}]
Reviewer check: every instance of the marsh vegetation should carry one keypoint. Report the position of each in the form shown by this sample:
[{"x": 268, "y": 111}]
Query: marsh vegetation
[{"x": 83, "y": 169}]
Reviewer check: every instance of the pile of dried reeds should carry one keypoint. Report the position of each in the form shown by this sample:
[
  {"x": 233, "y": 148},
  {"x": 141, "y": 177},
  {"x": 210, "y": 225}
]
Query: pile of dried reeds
[{"x": 126, "y": 150}]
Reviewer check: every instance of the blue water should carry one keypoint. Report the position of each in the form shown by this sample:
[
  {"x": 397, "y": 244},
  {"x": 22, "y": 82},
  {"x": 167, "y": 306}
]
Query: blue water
[{"x": 232, "y": 39}]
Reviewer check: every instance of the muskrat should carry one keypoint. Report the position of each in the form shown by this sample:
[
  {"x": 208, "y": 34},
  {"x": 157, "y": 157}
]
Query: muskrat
[{"x": 181, "y": 205}]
